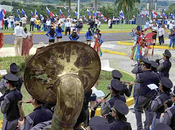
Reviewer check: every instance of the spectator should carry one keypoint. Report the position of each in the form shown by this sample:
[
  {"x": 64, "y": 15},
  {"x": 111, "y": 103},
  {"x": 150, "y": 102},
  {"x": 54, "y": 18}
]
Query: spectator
[{"x": 32, "y": 23}]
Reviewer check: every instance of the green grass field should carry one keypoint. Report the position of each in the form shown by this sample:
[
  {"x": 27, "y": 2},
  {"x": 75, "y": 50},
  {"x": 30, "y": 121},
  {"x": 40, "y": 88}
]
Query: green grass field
[{"x": 103, "y": 27}]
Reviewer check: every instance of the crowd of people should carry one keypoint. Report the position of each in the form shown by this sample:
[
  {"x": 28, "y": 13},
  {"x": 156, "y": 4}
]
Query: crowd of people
[{"x": 152, "y": 86}]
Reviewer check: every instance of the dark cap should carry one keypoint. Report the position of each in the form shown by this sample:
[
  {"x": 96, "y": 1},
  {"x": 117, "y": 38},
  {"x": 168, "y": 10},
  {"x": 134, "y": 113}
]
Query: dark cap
[
  {"x": 116, "y": 74},
  {"x": 162, "y": 126},
  {"x": 145, "y": 61},
  {"x": 11, "y": 77},
  {"x": 167, "y": 53},
  {"x": 154, "y": 64},
  {"x": 166, "y": 82},
  {"x": 115, "y": 84},
  {"x": 99, "y": 123},
  {"x": 121, "y": 107},
  {"x": 14, "y": 67}
]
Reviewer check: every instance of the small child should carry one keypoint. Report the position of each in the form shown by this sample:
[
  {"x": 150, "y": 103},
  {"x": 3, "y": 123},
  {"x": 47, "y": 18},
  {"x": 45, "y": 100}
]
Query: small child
[
  {"x": 58, "y": 33},
  {"x": 88, "y": 36},
  {"x": 74, "y": 36},
  {"x": 51, "y": 34},
  {"x": 161, "y": 32}
]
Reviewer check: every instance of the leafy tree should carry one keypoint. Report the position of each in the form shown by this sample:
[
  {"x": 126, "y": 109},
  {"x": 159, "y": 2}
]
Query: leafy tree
[{"x": 126, "y": 6}]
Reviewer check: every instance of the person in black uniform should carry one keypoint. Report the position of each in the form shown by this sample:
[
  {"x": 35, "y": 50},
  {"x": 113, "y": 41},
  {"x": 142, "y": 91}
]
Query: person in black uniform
[
  {"x": 119, "y": 112},
  {"x": 99, "y": 123},
  {"x": 168, "y": 117},
  {"x": 154, "y": 66},
  {"x": 39, "y": 114},
  {"x": 116, "y": 87},
  {"x": 12, "y": 70},
  {"x": 162, "y": 126},
  {"x": 145, "y": 93},
  {"x": 9, "y": 105},
  {"x": 165, "y": 66},
  {"x": 157, "y": 104},
  {"x": 117, "y": 75}
]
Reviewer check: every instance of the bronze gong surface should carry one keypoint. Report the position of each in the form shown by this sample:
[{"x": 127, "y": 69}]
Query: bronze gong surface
[{"x": 44, "y": 69}]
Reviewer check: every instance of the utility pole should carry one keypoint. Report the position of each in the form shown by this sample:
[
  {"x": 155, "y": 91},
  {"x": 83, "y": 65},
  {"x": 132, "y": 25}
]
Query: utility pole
[
  {"x": 95, "y": 6},
  {"x": 78, "y": 9},
  {"x": 150, "y": 9}
]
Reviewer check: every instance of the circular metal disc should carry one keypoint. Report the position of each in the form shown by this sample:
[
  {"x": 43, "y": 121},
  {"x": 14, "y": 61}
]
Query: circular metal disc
[{"x": 43, "y": 70}]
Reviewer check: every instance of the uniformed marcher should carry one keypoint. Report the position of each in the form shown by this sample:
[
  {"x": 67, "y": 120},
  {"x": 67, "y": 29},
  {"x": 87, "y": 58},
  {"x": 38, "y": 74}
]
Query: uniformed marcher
[
  {"x": 145, "y": 93},
  {"x": 12, "y": 70},
  {"x": 165, "y": 66},
  {"x": 39, "y": 114},
  {"x": 157, "y": 104},
  {"x": 168, "y": 117},
  {"x": 116, "y": 87},
  {"x": 99, "y": 123},
  {"x": 9, "y": 105},
  {"x": 119, "y": 111},
  {"x": 154, "y": 66},
  {"x": 162, "y": 126},
  {"x": 117, "y": 75}
]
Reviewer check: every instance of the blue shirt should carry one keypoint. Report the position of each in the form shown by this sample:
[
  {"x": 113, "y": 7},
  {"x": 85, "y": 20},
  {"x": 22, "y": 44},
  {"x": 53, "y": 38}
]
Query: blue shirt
[
  {"x": 50, "y": 37},
  {"x": 73, "y": 39},
  {"x": 88, "y": 37},
  {"x": 58, "y": 33}
]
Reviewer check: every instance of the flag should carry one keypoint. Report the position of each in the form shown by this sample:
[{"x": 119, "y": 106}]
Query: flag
[
  {"x": 76, "y": 13},
  {"x": 88, "y": 12},
  {"x": 155, "y": 13},
  {"x": 147, "y": 15},
  {"x": 164, "y": 15},
  {"x": 98, "y": 13},
  {"x": 41, "y": 17},
  {"x": 2, "y": 15},
  {"x": 31, "y": 13},
  {"x": 36, "y": 13},
  {"x": 134, "y": 16},
  {"x": 49, "y": 12},
  {"x": 121, "y": 14},
  {"x": 68, "y": 13},
  {"x": 94, "y": 14},
  {"x": 61, "y": 12},
  {"x": 84, "y": 17},
  {"x": 17, "y": 11},
  {"x": 23, "y": 12}
]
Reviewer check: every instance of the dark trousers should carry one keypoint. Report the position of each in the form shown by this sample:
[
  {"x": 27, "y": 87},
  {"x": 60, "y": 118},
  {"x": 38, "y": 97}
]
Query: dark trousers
[
  {"x": 161, "y": 39},
  {"x": 6, "y": 26},
  {"x": 67, "y": 30},
  {"x": 32, "y": 26}
]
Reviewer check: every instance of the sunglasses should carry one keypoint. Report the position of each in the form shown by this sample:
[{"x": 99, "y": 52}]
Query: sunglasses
[{"x": 7, "y": 82}]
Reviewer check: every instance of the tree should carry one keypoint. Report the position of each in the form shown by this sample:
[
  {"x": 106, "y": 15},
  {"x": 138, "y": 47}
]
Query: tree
[{"x": 126, "y": 6}]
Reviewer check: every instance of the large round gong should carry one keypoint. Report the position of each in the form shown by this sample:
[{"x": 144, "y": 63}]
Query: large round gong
[{"x": 44, "y": 69}]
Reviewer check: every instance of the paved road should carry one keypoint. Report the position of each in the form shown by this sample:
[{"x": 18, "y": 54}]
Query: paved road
[{"x": 105, "y": 36}]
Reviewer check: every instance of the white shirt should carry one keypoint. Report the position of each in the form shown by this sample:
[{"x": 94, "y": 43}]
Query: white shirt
[
  {"x": 48, "y": 22},
  {"x": 23, "y": 20},
  {"x": 11, "y": 18},
  {"x": 154, "y": 28},
  {"x": 19, "y": 31},
  {"x": 161, "y": 31},
  {"x": 68, "y": 24},
  {"x": 171, "y": 26},
  {"x": 32, "y": 19}
]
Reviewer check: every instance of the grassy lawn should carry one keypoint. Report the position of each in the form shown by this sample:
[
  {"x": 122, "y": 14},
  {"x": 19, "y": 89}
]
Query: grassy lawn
[
  {"x": 104, "y": 27},
  {"x": 103, "y": 81}
]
